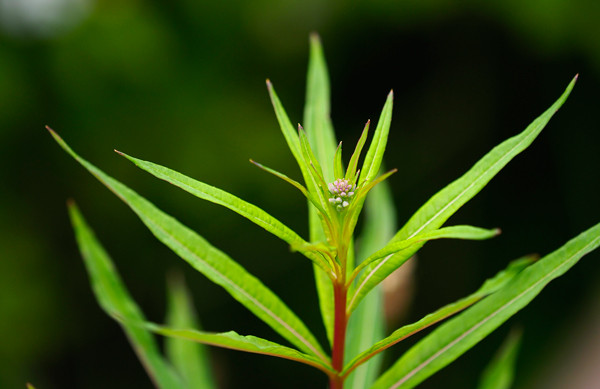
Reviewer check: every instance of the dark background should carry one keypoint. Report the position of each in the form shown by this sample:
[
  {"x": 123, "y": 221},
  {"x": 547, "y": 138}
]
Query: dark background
[{"x": 181, "y": 83}]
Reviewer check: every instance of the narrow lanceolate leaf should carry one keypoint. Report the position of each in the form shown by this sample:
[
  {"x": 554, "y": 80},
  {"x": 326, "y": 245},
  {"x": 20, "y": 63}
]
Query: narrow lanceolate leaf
[
  {"x": 367, "y": 323},
  {"x": 447, "y": 201},
  {"x": 401, "y": 251},
  {"x": 374, "y": 156},
  {"x": 116, "y": 301},
  {"x": 500, "y": 372},
  {"x": 234, "y": 341},
  {"x": 218, "y": 196},
  {"x": 211, "y": 262},
  {"x": 338, "y": 166},
  {"x": 317, "y": 120},
  {"x": 353, "y": 164},
  {"x": 490, "y": 286},
  {"x": 189, "y": 358},
  {"x": 458, "y": 335},
  {"x": 317, "y": 123}
]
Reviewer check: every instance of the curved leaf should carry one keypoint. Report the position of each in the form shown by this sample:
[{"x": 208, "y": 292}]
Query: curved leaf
[
  {"x": 116, "y": 301},
  {"x": 455, "y": 337},
  {"x": 399, "y": 249},
  {"x": 211, "y": 262},
  {"x": 447, "y": 201},
  {"x": 219, "y": 196},
  {"x": 234, "y": 341},
  {"x": 489, "y": 286}
]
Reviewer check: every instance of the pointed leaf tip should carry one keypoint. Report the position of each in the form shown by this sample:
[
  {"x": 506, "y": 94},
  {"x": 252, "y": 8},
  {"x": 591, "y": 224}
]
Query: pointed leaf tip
[
  {"x": 269, "y": 84},
  {"x": 314, "y": 37},
  {"x": 120, "y": 153}
]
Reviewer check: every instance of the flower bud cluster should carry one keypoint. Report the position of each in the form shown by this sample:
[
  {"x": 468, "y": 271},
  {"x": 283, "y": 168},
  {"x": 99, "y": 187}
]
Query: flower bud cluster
[{"x": 342, "y": 192}]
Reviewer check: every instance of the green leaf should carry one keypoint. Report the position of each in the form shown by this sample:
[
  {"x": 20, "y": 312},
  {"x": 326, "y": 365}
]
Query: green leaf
[
  {"x": 116, "y": 301},
  {"x": 353, "y": 165},
  {"x": 338, "y": 166},
  {"x": 447, "y": 201},
  {"x": 189, "y": 358},
  {"x": 401, "y": 251},
  {"x": 220, "y": 197},
  {"x": 374, "y": 156},
  {"x": 458, "y": 335},
  {"x": 501, "y": 371},
  {"x": 234, "y": 341},
  {"x": 317, "y": 120},
  {"x": 490, "y": 286},
  {"x": 367, "y": 323},
  {"x": 211, "y": 262},
  {"x": 317, "y": 123}
]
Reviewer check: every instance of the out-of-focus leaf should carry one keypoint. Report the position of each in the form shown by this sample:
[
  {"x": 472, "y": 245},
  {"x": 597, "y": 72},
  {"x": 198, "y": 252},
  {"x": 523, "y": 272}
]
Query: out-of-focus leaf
[
  {"x": 455, "y": 337},
  {"x": 447, "y": 201},
  {"x": 317, "y": 120},
  {"x": 211, "y": 262},
  {"x": 189, "y": 358},
  {"x": 367, "y": 324},
  {"x": 500, "y": 373},
  {"x": 234, "y": 341},
  {"x": 400, "y": 249},
  {"x": 489, "y": 286},
  {"x": 116, "y": 301}
]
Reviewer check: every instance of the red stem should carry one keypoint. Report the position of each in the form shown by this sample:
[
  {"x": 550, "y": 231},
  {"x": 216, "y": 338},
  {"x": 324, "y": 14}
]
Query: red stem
[{"x": 339, "y": 334}]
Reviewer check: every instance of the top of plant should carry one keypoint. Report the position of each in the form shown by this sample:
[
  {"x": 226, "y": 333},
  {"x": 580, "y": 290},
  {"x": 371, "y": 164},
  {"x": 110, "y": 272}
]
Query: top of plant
[{"x": 336, "y": 195}]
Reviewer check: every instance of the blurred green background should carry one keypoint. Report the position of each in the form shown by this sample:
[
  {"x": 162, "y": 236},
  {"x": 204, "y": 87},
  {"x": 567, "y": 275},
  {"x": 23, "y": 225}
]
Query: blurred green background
[{"x": 181, "y": 83}]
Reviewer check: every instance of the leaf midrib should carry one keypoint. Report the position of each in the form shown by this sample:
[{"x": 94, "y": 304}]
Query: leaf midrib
[{"x": 486, "y": 319}]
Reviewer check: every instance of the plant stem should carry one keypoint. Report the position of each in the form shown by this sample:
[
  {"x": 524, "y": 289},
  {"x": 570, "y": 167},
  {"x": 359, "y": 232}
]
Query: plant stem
[{"x": 339, "y": 333}]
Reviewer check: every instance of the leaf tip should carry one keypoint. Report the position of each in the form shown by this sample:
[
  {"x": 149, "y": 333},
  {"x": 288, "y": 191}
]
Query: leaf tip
[
  {"x": 269, "y": 84},
  {"x": 122, "y": 154},
  {"x": 71, "y": 203},
  {"x": 391, "y": 94},
  {"x": 315, "y": 38},
  {"x": 497, "y": 231}
]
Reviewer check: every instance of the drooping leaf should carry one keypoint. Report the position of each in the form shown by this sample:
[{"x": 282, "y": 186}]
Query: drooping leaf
[
  {"x": 219, "y": 196},
  {"x": 116, "y": 301},
  {"x": 489, "y": 286},
  {"x": 189, "y": 358},
  {"x": 211, "y": 262},
  {"x": 500, "y": 373},
  {"x": 317, "y": 124},
  {"x": 456, "y": 336},
  {"x": 374, "y": 156},
  {"x": 401, "y": 250},
  {"x": 447, "y": 201},
  {"x": 367, "y": 324},
  {"x": 234, "y": 341}
]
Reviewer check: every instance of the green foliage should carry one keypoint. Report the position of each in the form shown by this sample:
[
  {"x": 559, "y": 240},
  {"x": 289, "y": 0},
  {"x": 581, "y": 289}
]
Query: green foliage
[
  {"x": 500, "y": 373},
  {"x": 335, "y": 197}
]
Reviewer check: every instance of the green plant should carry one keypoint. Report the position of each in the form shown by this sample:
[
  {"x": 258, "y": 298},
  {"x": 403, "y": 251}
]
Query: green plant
[{"x": 347, "y": 279}]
